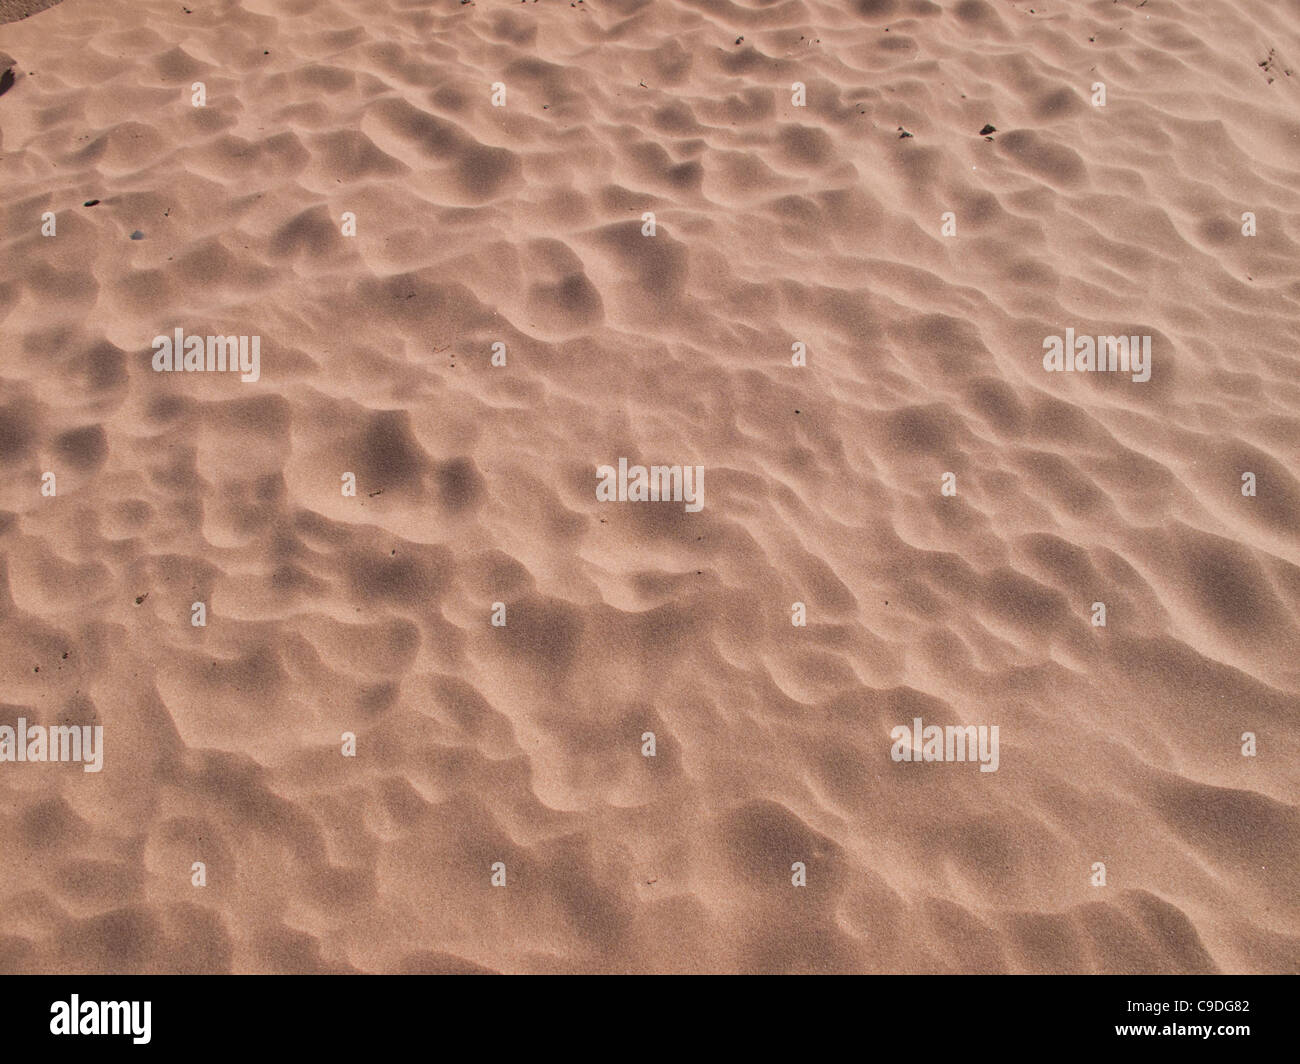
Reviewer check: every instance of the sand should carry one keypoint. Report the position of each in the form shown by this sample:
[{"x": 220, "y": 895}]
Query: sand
[
  {"x": 919, "y": 276},
  {"x": 13, "y": 10}
]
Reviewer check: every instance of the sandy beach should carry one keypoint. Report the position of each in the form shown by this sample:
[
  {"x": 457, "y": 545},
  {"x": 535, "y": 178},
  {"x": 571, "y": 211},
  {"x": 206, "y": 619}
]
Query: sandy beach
[{"x": 650, "y": 486}]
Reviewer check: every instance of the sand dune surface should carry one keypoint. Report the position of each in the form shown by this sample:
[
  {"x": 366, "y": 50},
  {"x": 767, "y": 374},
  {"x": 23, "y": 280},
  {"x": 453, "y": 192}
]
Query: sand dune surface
[{"x": 488, "y": 248}]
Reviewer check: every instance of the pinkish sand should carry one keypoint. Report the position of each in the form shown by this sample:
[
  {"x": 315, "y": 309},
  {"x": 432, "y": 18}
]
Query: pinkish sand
[{"x": 946, "y": 510}]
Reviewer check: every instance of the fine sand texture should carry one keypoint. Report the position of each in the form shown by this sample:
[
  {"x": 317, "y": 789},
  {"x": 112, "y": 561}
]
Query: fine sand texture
[
  {"x": 488, "y": 248},
  {"x": 13, "y": 10}
]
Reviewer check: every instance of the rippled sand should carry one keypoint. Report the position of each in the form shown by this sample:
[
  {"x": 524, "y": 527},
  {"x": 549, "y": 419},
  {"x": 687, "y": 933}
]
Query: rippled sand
[{"x": 776, "y": 225}]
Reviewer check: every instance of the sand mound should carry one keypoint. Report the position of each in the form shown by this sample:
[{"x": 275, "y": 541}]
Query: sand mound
[{"x": 13, "y": 10}]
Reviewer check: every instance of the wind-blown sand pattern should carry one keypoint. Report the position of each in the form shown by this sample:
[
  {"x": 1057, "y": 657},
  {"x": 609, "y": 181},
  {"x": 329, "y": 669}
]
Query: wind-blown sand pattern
[{"x": 775, "y": 225}]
